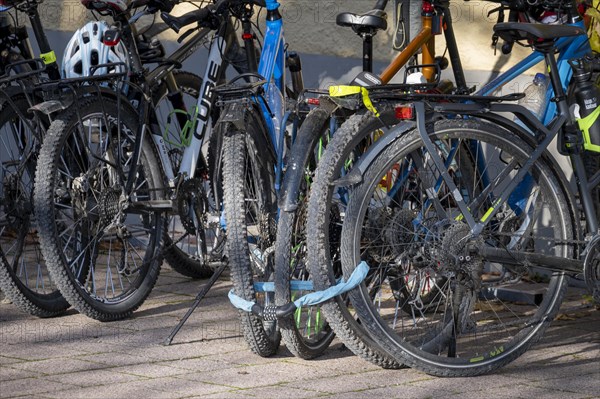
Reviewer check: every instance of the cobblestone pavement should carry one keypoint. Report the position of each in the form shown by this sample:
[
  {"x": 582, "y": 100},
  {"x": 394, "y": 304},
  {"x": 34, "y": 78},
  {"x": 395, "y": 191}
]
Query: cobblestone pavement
[{"x": 75, "y": 357}]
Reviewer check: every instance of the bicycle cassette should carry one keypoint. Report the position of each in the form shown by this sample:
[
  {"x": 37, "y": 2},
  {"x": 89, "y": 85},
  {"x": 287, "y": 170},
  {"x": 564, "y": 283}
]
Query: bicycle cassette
[{"x": 591, "y": 268}]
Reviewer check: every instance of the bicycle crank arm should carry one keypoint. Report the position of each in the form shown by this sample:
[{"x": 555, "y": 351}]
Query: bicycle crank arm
[{"x": 555, "y": 263}]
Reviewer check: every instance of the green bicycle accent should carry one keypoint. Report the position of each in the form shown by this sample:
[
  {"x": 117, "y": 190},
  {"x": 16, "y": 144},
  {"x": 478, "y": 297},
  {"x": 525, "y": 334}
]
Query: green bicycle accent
[
  {"x": 584, "y": 125},
  {"x": 185, "y": 136},
  {"x": 485, "y": 217}
]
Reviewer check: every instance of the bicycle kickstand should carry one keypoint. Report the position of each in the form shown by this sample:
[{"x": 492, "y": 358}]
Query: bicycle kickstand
[{"x": 213, "y": 279}]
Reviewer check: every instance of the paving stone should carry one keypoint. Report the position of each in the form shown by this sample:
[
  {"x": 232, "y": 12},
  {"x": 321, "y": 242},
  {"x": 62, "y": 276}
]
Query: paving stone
[
  {"x": 400, "y": 391},
  {"x": 188, "y": 387},
  {"x": 527, "y": 392},
  {"x": 470, "y": 384},
  {"x": 360, "y": 381},
  {"x": 58, "y": 366},
  {"x": 256, "y": 376},
  {"x": 6, "y": 360},
  {"x": 149, "y": 370},
  {"x": 275, "y": 391},
  {"x": 199, "y": 363},
  {"x": 118, "y": 391},
  {"x": 93, "y": 378},
  {"x": 112, "y": 359},
  {"x": 573, "y": 385},
  {"x": 8, "y": 373},
  {"x": 244, "y": 357},
  {"x": 209, "y": 358},
  {"x": 28, "y": 387}
]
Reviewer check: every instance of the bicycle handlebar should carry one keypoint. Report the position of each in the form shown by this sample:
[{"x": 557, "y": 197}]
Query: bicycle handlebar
[{"x": 204, "y": 16}]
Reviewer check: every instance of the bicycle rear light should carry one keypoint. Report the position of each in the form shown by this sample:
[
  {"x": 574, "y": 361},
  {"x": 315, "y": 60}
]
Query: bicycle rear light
[
  {"x": 405, "y": 111},
  {"x": 111, "y": 37}
]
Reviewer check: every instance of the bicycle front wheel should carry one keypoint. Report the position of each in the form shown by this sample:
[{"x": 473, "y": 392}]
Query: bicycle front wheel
[
  {"x": 101, "y": 243},
  {"x": 250, "y": 208},
  {"x": 307, "y": 334},
  {"x": 441, "y": 306}
]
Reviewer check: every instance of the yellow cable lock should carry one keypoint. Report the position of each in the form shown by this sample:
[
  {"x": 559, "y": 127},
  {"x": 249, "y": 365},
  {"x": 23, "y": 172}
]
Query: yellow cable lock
[{"x": 342, "y": 91}]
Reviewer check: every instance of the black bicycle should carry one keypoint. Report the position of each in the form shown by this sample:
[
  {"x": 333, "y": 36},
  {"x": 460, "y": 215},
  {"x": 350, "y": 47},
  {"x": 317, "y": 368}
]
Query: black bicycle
[{"x": 472, "y": 277}]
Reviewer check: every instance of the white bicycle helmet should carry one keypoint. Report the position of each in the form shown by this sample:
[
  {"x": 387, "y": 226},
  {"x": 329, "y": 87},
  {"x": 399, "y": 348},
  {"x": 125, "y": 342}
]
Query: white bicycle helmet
[{"x": 86, "y": 49}]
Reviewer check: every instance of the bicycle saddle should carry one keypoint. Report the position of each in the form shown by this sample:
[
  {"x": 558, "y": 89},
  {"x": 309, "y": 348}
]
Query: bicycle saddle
[
  {"x": 511, "y": 31},
  {"x": 369, "y": 22}
]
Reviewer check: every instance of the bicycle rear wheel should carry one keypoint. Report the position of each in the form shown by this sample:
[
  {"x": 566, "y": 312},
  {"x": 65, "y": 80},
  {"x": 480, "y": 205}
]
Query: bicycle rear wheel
[
  {"x": 442, "y": 306},
  {"x": 326, "y": 210},
  {"x": 24, "y": 277},
  {"x": 101, "y": 244},
  {"x": 250, "y": 208}
]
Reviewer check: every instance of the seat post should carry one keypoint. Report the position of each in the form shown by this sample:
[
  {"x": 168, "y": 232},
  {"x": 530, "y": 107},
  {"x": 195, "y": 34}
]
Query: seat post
[{"x": 367, "y": 52}]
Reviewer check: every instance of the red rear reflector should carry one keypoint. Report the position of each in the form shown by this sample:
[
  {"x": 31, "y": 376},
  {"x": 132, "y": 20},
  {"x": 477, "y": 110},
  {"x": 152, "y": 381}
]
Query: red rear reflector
[
  {"x": 404, "y": 112},
  {"x": 110, "y": 43},
  {"x": 313, "y": 101},
  {"x": 247, "y": 36}
]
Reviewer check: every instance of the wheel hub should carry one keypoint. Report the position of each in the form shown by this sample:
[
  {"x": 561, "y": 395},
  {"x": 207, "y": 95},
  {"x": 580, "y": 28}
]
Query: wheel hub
[
  {"x": 591, "y": 268},
  {"x": 458, "y": 256}
]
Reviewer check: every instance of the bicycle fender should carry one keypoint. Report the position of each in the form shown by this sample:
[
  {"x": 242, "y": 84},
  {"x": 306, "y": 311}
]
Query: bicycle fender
[
  {"x": 51, "y": 106},
  {"x": 355, "y": 176},
  {"x": 235, "y": 113},
  {"x": 306, "y": 140}
]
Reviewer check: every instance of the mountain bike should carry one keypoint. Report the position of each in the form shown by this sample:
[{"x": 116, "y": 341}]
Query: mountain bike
[
  {"x": 23, "y": 274},
  {"x": 305, "y": 333},
  {"x": 497, "y": 269},
  {"x": 334, "y": 175},
  {"x": 124, "y": 182}
]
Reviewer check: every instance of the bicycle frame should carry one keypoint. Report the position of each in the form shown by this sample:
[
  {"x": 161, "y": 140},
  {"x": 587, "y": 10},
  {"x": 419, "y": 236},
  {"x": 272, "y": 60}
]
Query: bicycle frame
[
  {"x": 568, "y": 48},
  {"x": 220, "y": 45}
]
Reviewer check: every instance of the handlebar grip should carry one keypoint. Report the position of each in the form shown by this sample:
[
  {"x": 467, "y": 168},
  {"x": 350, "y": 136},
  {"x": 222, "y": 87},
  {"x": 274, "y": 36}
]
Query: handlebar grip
[{"x": 176, "y": 23}]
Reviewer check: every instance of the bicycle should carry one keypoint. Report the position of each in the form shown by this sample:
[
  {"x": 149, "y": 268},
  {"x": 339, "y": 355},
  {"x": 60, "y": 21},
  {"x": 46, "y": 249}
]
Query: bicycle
[
  {"x": 299, "y": 334},
  {"x": 23, "y": 275},
  {"x": 121, "y": 278},
  {"x": 485, "y": 245}
]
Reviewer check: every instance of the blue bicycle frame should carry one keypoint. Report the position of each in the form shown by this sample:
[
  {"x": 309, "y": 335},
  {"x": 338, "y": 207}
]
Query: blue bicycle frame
[
  {"x": 271, "y": 67},
  {"x": 568, "y": 47}
]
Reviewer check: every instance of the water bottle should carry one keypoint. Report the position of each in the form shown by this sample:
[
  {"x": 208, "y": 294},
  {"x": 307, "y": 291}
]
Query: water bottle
[
  {"x": 534, "y": 101},
  {"x": 535, "y": 96},
  {"x": 587, "y": 98}
]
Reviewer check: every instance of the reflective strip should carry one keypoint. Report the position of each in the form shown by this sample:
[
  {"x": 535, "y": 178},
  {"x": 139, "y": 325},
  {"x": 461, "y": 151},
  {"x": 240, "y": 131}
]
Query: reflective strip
[{"x": 49, "y": 57}]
